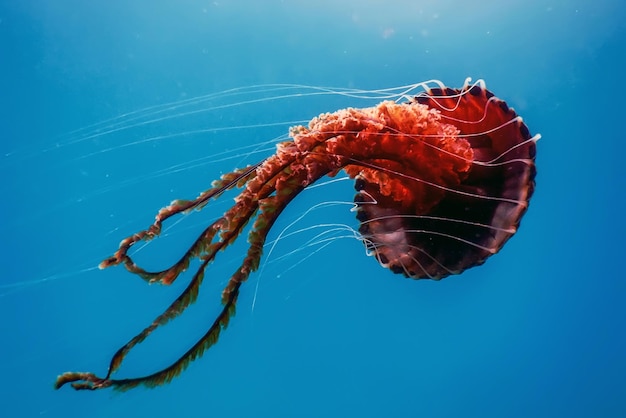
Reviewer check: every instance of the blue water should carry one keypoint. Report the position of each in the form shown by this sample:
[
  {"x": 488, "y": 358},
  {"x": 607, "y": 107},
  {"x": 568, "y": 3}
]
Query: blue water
[{"x": 320, "y": 331}]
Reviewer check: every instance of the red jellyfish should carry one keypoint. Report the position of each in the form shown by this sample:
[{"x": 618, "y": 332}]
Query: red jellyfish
[{"x": 442, "y": 182}]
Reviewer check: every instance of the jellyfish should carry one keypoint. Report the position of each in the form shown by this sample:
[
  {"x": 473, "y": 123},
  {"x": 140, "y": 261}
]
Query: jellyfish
[{"x": 442, "y": 181}]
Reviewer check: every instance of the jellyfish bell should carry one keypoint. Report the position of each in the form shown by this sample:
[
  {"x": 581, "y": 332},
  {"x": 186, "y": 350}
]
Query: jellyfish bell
[
  {"x": 443, "y": 177},
  {"x": 470, "y": 220}
]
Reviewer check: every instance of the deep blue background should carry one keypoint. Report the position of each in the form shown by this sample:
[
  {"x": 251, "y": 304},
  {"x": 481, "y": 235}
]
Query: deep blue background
[{"x": 537, "y": 331}]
